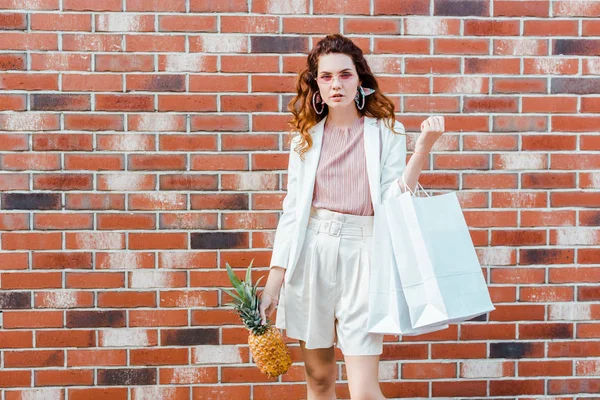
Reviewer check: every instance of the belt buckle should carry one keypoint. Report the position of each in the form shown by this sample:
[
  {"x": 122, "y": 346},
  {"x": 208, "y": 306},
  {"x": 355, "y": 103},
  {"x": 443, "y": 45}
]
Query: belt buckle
[{"x": 335, "y": 228}]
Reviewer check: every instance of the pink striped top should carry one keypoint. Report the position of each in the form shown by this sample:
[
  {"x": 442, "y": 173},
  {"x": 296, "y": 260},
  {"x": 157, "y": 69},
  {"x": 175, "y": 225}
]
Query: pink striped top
[{"x": 341, "y": 183}]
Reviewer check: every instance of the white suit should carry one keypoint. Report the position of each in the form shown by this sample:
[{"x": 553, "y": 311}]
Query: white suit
[{"x": 383, "y": 178}]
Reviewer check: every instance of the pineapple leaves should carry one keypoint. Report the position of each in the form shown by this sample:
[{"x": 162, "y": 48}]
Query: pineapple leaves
[
  {"x": 235, "y": 296},
  {"x": 249, "y": 273}
]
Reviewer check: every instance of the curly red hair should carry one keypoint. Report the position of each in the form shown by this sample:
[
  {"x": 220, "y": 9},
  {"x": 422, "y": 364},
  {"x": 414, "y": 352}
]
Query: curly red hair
[{"x": 377, "y": 105}]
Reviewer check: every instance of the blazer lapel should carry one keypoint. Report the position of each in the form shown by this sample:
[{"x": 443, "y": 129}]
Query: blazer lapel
[
  {"x": 371, "y": 139},
  {"x": 307, "y": 178}
]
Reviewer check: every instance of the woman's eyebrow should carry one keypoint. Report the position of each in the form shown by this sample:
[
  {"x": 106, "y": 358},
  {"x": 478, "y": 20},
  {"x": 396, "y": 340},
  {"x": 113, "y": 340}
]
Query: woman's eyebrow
[{"x": 343, "y": 70}]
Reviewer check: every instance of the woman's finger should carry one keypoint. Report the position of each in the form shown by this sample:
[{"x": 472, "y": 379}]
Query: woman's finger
[{"x": 262, "y": 313}]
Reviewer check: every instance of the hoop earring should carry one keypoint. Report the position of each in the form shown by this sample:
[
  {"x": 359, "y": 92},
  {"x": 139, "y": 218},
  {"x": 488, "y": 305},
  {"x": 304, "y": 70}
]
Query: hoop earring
[
  {"x": 314, "y": 103},
  {"x": 357, "y": 97}
]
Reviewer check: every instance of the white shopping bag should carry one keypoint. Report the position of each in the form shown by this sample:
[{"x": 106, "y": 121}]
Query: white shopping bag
[
  {"x": 388, "y": 310},
  {"x": 439, "y": 238}
]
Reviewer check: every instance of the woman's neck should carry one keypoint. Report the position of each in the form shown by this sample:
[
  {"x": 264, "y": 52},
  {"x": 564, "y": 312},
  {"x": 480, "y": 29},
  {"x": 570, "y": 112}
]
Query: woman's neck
[{"x": 343, "y": 118}]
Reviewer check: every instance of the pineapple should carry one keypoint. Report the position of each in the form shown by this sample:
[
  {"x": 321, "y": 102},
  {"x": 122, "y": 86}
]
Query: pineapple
[{"x": 266, "y": 342}]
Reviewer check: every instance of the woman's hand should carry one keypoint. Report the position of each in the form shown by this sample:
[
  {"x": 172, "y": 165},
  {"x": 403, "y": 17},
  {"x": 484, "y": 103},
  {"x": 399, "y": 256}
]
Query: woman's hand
[
  {"x": 431, "y": 130},
  {"x": 266, "y": 306}
]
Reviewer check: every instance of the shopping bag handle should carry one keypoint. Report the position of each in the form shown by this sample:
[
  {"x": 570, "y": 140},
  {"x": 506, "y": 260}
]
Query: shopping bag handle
[{"x": 417, "y": 189}]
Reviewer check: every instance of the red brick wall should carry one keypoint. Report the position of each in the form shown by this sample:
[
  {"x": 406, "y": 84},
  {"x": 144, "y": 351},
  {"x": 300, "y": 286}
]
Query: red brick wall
[{"x": 143, "y": 146}]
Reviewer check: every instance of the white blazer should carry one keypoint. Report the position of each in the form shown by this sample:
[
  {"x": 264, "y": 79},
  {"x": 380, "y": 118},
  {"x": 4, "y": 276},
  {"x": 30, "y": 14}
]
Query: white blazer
[{"x": 382, "y": 174}]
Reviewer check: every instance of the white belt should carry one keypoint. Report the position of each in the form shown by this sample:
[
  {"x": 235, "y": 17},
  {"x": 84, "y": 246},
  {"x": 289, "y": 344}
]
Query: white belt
[{"x": 336, "y": 228}]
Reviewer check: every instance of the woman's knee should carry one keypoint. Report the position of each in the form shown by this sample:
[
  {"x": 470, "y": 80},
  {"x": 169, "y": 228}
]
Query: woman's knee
[{"x": 321, "y": 377}]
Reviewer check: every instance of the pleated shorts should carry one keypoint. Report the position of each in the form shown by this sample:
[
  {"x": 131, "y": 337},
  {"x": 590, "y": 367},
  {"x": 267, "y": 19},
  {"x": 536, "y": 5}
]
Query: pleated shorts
[{"x": 326, "y": 299}]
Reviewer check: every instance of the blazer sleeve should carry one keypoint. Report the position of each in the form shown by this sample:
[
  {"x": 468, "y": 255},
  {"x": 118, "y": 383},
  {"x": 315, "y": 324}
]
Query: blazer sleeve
[
  {"x": 287, "y": 221},
  {"x": 394, "y": 164}
]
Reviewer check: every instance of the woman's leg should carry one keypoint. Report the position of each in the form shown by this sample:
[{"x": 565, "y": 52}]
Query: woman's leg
[
  {"x": 363, "y": 377},
  {"x": 321, "y": 372}
]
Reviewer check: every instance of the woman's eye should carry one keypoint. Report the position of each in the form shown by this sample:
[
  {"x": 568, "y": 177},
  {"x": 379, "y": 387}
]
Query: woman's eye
[{"x": 346, "y": 75}]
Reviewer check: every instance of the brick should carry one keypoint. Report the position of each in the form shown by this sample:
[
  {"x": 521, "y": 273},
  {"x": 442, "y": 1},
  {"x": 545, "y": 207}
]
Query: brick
[
  {"x": 95, "y": 319},
  {"x": 145, "y": 241},
  {"x": 129, "y": 222},
  {"x": 249, "y": 24},
  {"x": 14, "y": 221},
  {"x": 62, "y": 142},
  {"x": 219, "y": 240},
  {"x": 186, "y": 103},
  {"x": 32, "y": 319},
  {"x": 17, "y": 81},
  {"x": 154, "y": 5},
  {"x": 72, "y": 377},
  {"x": 491, "y": 27},
  {"x": 61, "y": 62},
  {"x": 15, "y": 300},
  {"x": 95, "y": 202},
  {"x": 47, "y": 393},
  {"x": 124, "y": 102},
  {"x": 213, "y": 7},
  {"x": 36, "y": 5},
  {"x": 166, "y": 201},
  {"x": 159, "y": 43},
  {"x": 63, "y": 221},
  {"x": 95, "y": 240},
  {"x": 88, "y": 5},
  {"x": 129, "y": 299},
  {"x": 12, "y": 62},
  {"x": 412, "y": 7},
  {"x": 92, "y": 42},
  {"x": 95, "y": 280},
  {"x": 28, "y": 41},
  {"x": 149, "y": 357},
  {"x": 15, "y": 142},
  {"x": 95, "y": 162},
  {"x": 17, "y": 21},
  {"x": 31, "y": 201},
  {"x": 92, "y": 82},
  {"x": 156, "y": 162},
  {"x": 93, "y": 122},
  {"x": 16, "y": 378},
  {"x": 124, "y": 23},
  {"x": 217, "y": 83},
  {"x": 61, "y": 22},
  {"x": 218, "y": 162},
  {"x": 156, "y": 122},
  {"x": 461, "y": 46},
  {"x": 306, "y": 25},
  {"x": 61, "y": 260},
  {"x": 59, "y": 102},
  {"x": 156, "y": 83},
  {"x": 254, "y": 63},
  {"x": 582, "y": 47},
  {"x": 125, "y": 142},
  {"x": 221, "y": 43},
  {"x": 147, "y": 318},
  {"x": 237, "y": 123},
  {"x": 64, "y": 299},
  {"x": 533, "y": 8},
  {"x": 35, "y": 358},
  {"x": 187, "y": 62},
  {"x": 124, "y": 63},
  {"x": 188, "y": 221},
  {"x": 103, "y": 357},
  {"x": 98, "y": 393},
  {"x": 187, "y": 23},
  {"x": 126, "y": 181}
]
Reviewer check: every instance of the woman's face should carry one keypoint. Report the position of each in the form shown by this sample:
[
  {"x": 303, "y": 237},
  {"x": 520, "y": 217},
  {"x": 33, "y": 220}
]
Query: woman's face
[{"x": 337, "y": 79}]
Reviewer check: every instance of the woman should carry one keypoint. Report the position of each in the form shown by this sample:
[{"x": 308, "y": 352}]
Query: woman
[{"x": 349, "y": 154}]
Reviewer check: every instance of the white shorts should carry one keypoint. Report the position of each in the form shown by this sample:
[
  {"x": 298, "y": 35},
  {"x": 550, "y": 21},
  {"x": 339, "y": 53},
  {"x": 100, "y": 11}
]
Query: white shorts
[{"x": 328, "y": 292}]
